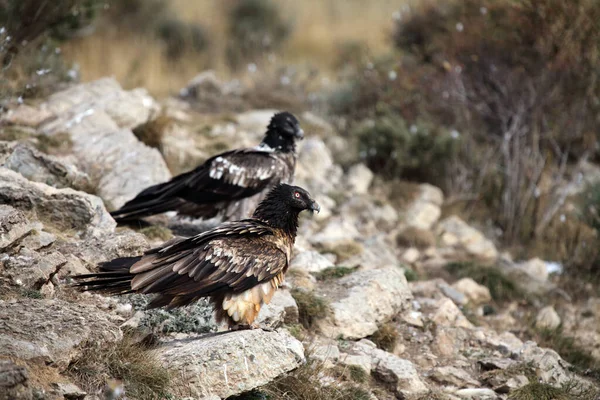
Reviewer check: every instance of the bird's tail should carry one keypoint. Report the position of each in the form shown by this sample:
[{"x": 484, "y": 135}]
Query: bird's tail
[
  {"x": 136, "y": 209},
  {"x": 113, "y": 278}
]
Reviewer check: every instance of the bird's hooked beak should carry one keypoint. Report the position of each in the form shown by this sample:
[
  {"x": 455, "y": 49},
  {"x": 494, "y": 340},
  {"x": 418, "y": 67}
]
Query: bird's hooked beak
[
  {"x": 315, "y": 207},
  {"x": 299, "y": 134}
]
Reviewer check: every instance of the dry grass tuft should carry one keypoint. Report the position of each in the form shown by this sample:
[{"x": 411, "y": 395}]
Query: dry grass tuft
[
  {"x": 310, "y": 307},
  {"x": 152, "y": 132},
  {"x": 415, "y": 237},
  {"x": 305, "y": 383},
  {"x": 130, "y": 361},
  {"x": 386, "y": 337},
  {"x": 334, "y": 273}
]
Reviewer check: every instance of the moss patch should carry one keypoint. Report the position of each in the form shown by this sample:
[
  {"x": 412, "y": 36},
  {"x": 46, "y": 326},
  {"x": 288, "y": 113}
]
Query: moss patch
[
  {"x": 501, "y": 287},
  {"x": 334, "y": 273},
  {"x": 310, "y": 307}
]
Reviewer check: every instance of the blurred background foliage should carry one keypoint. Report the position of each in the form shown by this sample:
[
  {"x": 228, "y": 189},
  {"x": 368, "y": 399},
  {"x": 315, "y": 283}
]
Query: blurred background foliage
[{"x": 495, "y": 101}]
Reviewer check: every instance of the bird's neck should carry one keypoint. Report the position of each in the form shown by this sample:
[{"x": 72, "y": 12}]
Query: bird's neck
[
  {"x": 275, "y": 217},
  {"x": 276, "y": 141}
]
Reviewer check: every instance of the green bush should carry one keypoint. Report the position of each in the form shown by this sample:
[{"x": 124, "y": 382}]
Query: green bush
[
  {"x": 518, "y": 80},
  {"x": 179, "y": 37},
  {"x": 29, "y": 39},
  {"x": 256, "y": 27},
  {"x": 393, "y": 148}
]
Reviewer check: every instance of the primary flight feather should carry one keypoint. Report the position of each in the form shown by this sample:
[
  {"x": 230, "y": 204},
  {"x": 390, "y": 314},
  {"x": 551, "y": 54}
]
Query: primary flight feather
[
  {"x": 229, "y": 185},
  {"x": 237, "y": 265}
]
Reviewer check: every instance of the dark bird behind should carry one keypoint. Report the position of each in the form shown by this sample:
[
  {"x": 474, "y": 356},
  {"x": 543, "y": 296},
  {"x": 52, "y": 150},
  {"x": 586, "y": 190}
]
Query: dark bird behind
[
  {"x": 229, "y": 185},
  {"x": 238, "y": 265}
]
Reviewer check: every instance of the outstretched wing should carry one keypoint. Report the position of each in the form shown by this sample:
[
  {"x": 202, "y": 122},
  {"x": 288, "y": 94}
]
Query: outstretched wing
[
  {"x": 229, "y": 259},
  {"x": 229, "y": 176}
]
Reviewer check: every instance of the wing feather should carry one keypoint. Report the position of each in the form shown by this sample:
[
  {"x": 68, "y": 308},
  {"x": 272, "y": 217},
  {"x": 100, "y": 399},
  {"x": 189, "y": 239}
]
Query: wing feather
[{"x": 231, "y": 258}]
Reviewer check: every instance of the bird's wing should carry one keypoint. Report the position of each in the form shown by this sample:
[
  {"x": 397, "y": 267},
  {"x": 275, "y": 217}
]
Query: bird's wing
[
  {"x": 234, "y": 175},
  {"x": 229, "y": 176},
  {"x": 231, "y": 258}
]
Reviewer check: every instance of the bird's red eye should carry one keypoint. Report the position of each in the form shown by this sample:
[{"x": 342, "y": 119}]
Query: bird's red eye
[{"x": 297, "y": 195}]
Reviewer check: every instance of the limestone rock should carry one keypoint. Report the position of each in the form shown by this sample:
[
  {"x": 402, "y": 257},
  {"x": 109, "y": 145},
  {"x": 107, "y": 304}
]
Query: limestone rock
[
  {"x": 39, "y": 167},
  {"x": 99, "y": 117},
  {"x": 14, "y": 382},
  {"x": 52, "y": 331},
  {"x": 359, "y": 178},
  {"x": 230, "y": 363},
  {"x": 547, "y": 318},
  {"x": 282, "y": 309},
  {"x": 315, "y": 170},
  {"x": 448, "y": 314},
  {"x": 535, "y": 268},
  {"x": 392, "y": 370},
  {"x": 63, "y": 209},
  {"x": 14, "y": 226},
  {"x": 453, "y": 376},
  {"x": 310, "y": 261},
  {"x": 477, "y": 394},
  {"x": 475, "y": 292},
  {"x": 424, "y": 211},
  {"x": 467, "y": 241},
  {"x": 362, "y": 300}
]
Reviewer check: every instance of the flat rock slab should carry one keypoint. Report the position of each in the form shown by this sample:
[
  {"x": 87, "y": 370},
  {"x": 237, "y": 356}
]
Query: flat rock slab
[
  {"x": 99, "y": 117},
  {"x": 226, "y": 364},
  {"x": 63, "y": 209},
  {"x": 52, "y": 331},
  {"x": 361, "y": 301}
]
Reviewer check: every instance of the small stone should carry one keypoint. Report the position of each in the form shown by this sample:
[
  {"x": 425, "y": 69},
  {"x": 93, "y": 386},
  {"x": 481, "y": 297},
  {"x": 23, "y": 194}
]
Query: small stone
[
  {"x": 359, "y": 178},
  {"x": 456, "y": 296},
  {"x": 310, "y": 261},
  {"x": 411, "y": 255},
  {"x": 453, "y": 376},
  {"x": 475, "y": 292},
  {"x": 448, "y": 314},
  {"x": 361, "y": 361},
  {"x": 476, "y": 394},
  {"x": 535, "y": 268},
  {"x": 68, "y": 391},
  {"x": 547, "y": 318}
]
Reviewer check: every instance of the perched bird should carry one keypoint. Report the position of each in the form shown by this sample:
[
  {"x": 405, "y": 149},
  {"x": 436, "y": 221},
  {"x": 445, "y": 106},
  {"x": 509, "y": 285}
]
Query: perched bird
[
  {"x": 229, "y": 185},
  {"x": 237, "y": 265}
]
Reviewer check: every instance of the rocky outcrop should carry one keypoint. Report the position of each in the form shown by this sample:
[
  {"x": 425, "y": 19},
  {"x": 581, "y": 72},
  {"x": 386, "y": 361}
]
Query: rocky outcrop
[
  {"x": 99, "y": 117},
  {"x": 39, "y": 167},
  {"x": 62, "y": 209},
  {"x": 52, "y": 331},
  {"x": 227, "y": 364},
  {"x": 465, "y": 241},
  {"x": 362, "y": 300}
]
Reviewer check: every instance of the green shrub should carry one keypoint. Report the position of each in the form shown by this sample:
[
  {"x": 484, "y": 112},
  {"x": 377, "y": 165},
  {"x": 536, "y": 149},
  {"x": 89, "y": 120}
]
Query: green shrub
[
  {"x": 511, "y": 77},
  {"x": 394, "y": 148},
  {"x": 501, "y": 287},
  {"x": 255, "y": 28},
  {"x": 334, "y": 273},
  {"x": 180, "y": 37}
]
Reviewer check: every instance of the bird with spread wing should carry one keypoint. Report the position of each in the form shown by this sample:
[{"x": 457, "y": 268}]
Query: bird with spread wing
[
  {"x": 229, "y": 185},
  {"x": 237, "y": 265}
]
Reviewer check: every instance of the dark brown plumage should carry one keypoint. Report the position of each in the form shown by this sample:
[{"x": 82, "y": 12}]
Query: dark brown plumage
[
  {"x": 238, "y": 265},
  {"x": 230, "y": 184}
]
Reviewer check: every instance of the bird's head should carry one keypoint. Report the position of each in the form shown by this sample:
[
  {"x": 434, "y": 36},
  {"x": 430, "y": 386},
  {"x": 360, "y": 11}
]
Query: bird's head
[
  {"x": 298, "y": 198},
  {"x": 282, "y": 205},
  {"x": 283, "y": 131}
]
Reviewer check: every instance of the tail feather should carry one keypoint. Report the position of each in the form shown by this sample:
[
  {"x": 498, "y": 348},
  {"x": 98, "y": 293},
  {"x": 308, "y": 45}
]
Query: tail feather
[
  {"x": 113, "y": 278},
  {"x": 136, "y": 209}
]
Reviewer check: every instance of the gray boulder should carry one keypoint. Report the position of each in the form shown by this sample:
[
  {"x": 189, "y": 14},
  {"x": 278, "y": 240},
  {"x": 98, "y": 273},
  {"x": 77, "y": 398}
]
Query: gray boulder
[
  {"x": 99, "y": 117},
  {"x": 63, "y": 209},
  {"x": 361, "y": 301},
  {"x": 226, "y": 364},
  {"x": 52, "y": 331}
]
